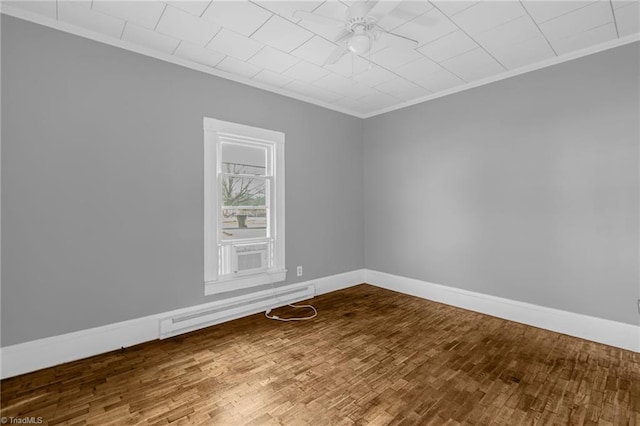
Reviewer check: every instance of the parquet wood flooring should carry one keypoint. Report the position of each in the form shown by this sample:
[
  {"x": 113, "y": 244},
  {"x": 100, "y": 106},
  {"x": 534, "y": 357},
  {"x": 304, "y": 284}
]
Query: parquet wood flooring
[{"x": 372, "y": 357}]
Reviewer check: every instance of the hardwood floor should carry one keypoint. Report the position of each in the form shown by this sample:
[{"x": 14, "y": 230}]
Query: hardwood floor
[{"x": 372, "y": 356}]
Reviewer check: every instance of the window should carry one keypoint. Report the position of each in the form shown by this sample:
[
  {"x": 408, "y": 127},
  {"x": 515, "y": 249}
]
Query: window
[{"x": 244, "y": 206}]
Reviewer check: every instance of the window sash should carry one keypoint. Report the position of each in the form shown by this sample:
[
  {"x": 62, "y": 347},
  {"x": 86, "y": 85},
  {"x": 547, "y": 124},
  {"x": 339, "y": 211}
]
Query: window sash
[
  {"x": 268, "y": 197},
  {"x": 226, "y": 246}
]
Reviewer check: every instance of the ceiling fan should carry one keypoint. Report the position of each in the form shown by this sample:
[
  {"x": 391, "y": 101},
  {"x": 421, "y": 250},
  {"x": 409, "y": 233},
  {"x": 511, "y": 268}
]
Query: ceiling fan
[{"x": 361, "y": 29}]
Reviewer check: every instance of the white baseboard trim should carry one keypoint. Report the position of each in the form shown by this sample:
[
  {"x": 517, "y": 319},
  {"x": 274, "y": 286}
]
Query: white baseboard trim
[
  {"x": 47, "y": 352},
  {"x": 339, "y": 281},
  {"x": 50, "y": 351},
  {"x": 621, "y": 335}
]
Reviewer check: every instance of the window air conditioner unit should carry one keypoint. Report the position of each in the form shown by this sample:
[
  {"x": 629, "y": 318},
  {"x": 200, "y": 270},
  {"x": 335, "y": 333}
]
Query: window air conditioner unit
[{"x": 250, "y": 258}]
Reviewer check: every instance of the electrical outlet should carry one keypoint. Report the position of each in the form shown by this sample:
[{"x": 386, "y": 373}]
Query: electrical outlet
[{"x": 299, "y": 271}]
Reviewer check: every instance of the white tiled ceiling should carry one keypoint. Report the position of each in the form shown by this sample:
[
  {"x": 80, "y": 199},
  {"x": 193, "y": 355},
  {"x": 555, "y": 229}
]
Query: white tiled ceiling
[
  {"x": 234, "y": 44},
  {"x": 197, "y": 54},
  {"x": 485, "y": 15},
  {"x": 448, "y": 46},
  {"x": 240, "y": 16},
  {"x": 143, "y": 13},
  {"x": 182, "y": 25},
  {"x": 261, "y": 42},
  {"x": 315, "y": 50},
  {"x": 627, "y": 20},
  {"x": 80, "y": 14},
  {"x": 273, "y": 59},
  {"x": 145, "y": 37},
  {"x": 306, "y": 71}
]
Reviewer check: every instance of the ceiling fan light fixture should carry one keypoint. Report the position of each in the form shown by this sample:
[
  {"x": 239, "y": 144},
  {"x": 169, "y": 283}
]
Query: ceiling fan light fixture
[{"x": 359, "y": 44}]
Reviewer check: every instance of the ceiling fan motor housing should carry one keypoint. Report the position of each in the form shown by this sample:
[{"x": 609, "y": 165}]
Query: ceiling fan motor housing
[{"x": 356, "y": 17}]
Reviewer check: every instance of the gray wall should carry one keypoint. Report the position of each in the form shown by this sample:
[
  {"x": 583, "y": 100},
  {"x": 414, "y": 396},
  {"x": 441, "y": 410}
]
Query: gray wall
[
  {"x": 102, "y": 182},
  {"x": 525, "y": 189}
]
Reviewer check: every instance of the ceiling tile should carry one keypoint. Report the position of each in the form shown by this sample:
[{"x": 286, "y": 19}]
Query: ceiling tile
[
  {"x": 527, "y": 52},
  {"x": 427, "y": 27},
  {"x": 395, "y": 58},
  {"x": 143, "y": 36},
  {"x": 330, "y": 9},
  {"x": 306, "y": 71},
  {"x": 403, "y": 89},
  {"x": 81, "y": 3},
  {"x": 379, "y": 100},
  {"x": 198, "y": 54},
  {"x": 623, "y": 3},
  {"x": 273, "y": 59},
  {"x": 79, "y": 14},
  {"x": 573, "y": 23},
  {"x": 194, "y": 7},
  {"x": 448, "y": 46},
  {"x": 182, "y": 25},
  {"x": 279, "y": 33},
  {"x": 391, "y": 21},
  {"x": 414, "y": 70},
  {"x": 311, "y": 91},
  {"x": 242, "y": 17},
  {"x": 272, "y": 78},
  {"x": 233, "y": 44},
  {"x": 286, "y": 9},
  {"x": 439, "y": 81},
  {"x": 45, "y": 8},
  {"x": 509, "y": 33},
  {"x": 374, "y": 76},
  {"x": 344, "y": 86},
  {"x": 349, "y": 104},
  {"x": 403, "y": 13},
  {"x": 542, "y": 11},
  {"x": 411, "y": 8},
  {"x": 628, "y": 18},
  {"x": 585, "y": 39},
  {"x": 487, "y": 14},
  {"x": 241, "y": 68},
  {"x": 474, "y": 65},
  {"x": 143, "y": 13},
  {"x": 333, "y": 34},
  {"x": 349, "y": 65},
  {"x": 357, "y": 91},
  {"x": 335, "y": 81},
  {"x": 452, "y": 7},
  {"x": 316, "y": 50}
]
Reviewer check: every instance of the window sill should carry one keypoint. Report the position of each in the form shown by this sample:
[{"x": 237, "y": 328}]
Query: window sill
[{"x": 246, "y": 281}]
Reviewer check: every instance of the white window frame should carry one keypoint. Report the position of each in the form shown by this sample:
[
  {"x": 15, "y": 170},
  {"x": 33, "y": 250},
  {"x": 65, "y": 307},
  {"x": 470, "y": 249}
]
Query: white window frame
[{"x": 215, "y": 131}]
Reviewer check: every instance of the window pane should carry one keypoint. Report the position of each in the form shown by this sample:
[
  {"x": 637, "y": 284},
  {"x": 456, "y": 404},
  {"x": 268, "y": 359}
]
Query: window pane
[
  {"x": 243, "y": 159},
  {"x": 243, "y": 191},
  {"x": 243, "y": 223}
]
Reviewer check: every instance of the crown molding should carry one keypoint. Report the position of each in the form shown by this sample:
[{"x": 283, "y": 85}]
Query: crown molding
[{"x": 72, "y": 29}]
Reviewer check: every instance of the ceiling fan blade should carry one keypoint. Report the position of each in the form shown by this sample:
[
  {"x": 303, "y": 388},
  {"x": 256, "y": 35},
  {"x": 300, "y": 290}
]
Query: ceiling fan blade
[
  {"x": 397, "y": 41},
  {"x": 324, "y": 20},
  {"x": 338, "y": 53},
  {"x": 383, "y": 7}
]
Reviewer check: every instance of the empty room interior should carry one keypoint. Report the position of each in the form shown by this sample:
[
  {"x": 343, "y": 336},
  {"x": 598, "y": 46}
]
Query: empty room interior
[{"x": 320, "y": 212}]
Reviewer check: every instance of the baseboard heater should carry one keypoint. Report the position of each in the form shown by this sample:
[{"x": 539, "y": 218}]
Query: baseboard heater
[{"x": 233, "y": 308}]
